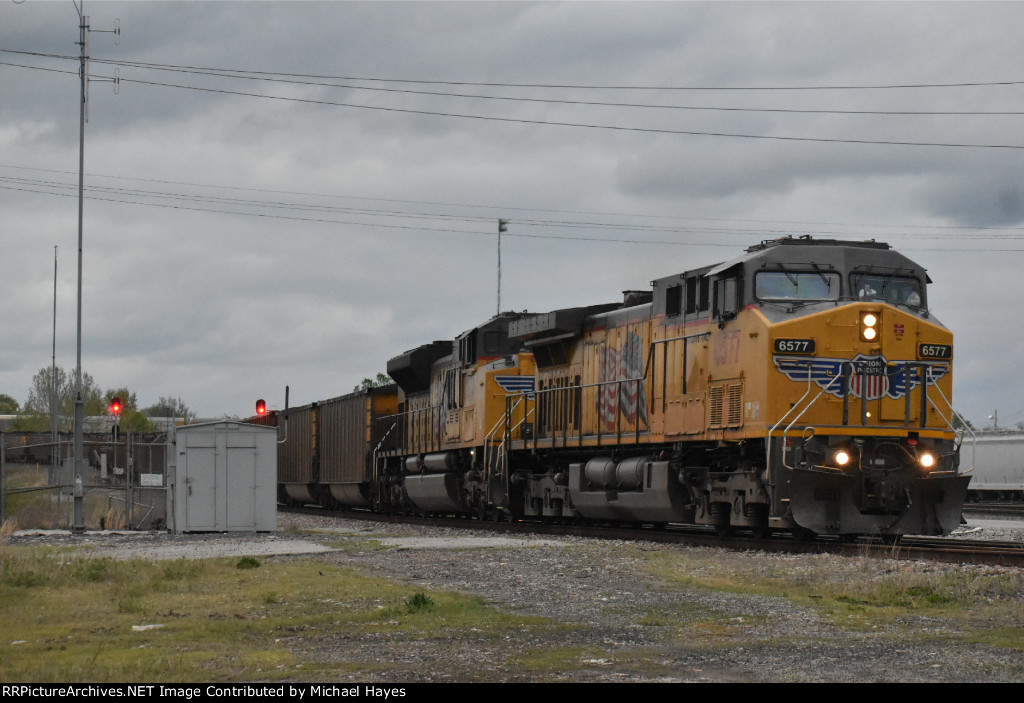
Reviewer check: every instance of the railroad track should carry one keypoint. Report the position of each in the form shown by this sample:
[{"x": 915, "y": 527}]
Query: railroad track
[
  {"x": 942, "y": 549},
  {"x": 1005, "y": 509}
]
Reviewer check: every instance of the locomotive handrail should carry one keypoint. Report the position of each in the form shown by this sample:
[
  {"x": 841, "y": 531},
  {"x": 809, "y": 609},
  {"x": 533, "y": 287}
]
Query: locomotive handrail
[
  {"x": 636, "y": 381},
  {"x": 924, "y": 376},
  {"x": 417, "y": 413},
  {"x": 489, "y": 439},
  {"x": 526, "y": 415},
  {"x": 768, "y": 447},
  {"x": 501, "y": 453},
  {"x": 959, "y": 434},
  {"x": 664, "y": 362},
  {"x": 768, "y": 443},
  {"x": 806, "y": 408},
  {"x": 649, "y": 372},
  {"x": 376, "y": 474}
]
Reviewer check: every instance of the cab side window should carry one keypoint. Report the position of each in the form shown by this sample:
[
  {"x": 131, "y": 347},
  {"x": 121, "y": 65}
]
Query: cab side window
[{"x": 727, "y": 297}]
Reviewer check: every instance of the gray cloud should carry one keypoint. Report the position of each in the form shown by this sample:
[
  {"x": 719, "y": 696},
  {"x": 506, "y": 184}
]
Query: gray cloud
[{"x": 222, "y": 302}]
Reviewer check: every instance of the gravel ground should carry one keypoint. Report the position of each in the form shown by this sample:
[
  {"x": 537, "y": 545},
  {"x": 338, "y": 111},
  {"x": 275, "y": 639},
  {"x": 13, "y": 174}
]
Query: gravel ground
[{"x": 622, "y": 622}]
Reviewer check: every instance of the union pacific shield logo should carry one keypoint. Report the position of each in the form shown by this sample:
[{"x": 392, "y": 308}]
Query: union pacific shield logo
[
  {"x": 870, "y": 380},
  {"x": 870, "y": 377}
]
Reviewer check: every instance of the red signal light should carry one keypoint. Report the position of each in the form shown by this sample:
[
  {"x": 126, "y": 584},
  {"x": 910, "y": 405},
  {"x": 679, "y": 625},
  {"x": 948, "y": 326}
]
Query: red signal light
[
  {"x": 261, "y": 407},
  {"x": 115, "y": 406}
]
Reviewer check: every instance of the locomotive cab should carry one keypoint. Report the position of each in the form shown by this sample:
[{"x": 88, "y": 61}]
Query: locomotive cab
[{"x": 861, "y": 437}]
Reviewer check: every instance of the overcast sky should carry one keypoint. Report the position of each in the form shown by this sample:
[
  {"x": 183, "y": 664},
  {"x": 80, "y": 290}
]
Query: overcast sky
[{"x": 301, "y": 225}]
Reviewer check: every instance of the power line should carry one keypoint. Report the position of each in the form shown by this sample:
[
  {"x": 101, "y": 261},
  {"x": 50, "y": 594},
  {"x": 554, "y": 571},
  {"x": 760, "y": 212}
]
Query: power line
[
  {"x": 34, "y": 187},
  {"x": 594, "y": 126},
  {"x": 954, "y": 230},
  {"x": 227, "y": 73},
  {"x": 582, "y": 125},
  {"x": 560, "y": 101},
  {"x": 560, "y": 86}
]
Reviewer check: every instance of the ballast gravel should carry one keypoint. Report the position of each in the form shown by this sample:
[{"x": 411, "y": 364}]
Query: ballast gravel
[{"x": 614, "y": 617}]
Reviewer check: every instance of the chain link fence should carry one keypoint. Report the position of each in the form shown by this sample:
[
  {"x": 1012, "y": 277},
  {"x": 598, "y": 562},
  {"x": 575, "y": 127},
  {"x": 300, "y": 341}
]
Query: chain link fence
[{"x": 124, "y": 483}]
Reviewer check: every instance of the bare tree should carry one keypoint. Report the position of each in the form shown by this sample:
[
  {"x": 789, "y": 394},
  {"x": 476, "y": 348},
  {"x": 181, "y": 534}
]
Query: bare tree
[
  {"x": 167, "y": 406},
  {"x": 38, "y": 402}
]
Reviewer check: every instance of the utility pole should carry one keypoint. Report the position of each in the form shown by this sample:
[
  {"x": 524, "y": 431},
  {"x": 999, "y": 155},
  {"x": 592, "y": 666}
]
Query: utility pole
[
  {"x": 54, "y": 453},
  {"x": 502, "y": 227}
]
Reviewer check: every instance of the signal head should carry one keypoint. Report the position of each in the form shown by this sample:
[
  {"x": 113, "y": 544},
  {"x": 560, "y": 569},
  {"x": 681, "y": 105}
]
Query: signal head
[
  {"x": 115, "y": 406},
  {"x": 261, "y": 407}
]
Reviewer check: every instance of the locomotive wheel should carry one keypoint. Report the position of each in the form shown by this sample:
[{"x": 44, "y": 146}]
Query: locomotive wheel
[
  {"x": 761, "y": 530},
  {"x": 719, "y": 513},
  {"x": 802, "y": 534}
]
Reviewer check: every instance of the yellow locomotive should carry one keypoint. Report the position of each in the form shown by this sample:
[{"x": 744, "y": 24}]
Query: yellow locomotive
[{"x": 803, "y": 385}]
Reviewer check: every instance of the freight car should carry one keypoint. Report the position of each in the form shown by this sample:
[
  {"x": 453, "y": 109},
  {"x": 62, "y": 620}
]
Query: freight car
[
  {"x": 326, "y": 448},
  {"x": 998, "y": 467},
  {"x": 802, "y": 386},
  {"x": 29, "y": 447}
]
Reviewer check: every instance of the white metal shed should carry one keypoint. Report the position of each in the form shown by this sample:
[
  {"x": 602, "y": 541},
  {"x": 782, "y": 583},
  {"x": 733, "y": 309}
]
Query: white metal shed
[{"x": 225, "y": 478}]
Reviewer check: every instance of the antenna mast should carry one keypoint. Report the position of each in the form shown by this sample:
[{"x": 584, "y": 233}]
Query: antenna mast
[{"x": 79, "y": 444}]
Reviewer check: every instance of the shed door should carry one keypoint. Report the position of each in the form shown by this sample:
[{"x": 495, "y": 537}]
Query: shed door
[
  {"x": 241, "y": 477},
  {"x": 201, "y": 489}
]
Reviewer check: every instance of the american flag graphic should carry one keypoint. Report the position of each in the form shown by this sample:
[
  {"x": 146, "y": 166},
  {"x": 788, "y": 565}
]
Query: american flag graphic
[{"x": 619, "y": 365}]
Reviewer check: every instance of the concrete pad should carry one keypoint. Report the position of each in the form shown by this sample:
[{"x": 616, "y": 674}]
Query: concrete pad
[{"x": 466, "y": 542}]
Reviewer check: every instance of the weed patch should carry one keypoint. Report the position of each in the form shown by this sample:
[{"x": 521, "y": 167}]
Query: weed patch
[{"x": 418, "y": 602}]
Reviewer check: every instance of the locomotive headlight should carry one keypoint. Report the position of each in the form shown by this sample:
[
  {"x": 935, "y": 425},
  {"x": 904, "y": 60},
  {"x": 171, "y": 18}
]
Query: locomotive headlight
[
  {"x": 868, "y": 326},
  {"x": 841, "y": 457},
  {"x": 926, "y": 460}
]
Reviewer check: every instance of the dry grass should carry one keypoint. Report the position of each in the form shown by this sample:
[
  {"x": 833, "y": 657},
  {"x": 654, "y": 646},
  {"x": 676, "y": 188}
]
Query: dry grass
[{"x": 79, "y": 619}]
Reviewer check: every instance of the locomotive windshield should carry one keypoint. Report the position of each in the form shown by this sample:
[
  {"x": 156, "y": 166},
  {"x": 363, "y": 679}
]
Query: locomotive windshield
[
  {"x": 793, "y": 285},
  {"x": 895, "y": 290}
]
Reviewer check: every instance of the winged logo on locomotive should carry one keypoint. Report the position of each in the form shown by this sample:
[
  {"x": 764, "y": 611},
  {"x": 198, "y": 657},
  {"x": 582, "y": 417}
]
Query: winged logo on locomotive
[{"x": 869, "y": 377}]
